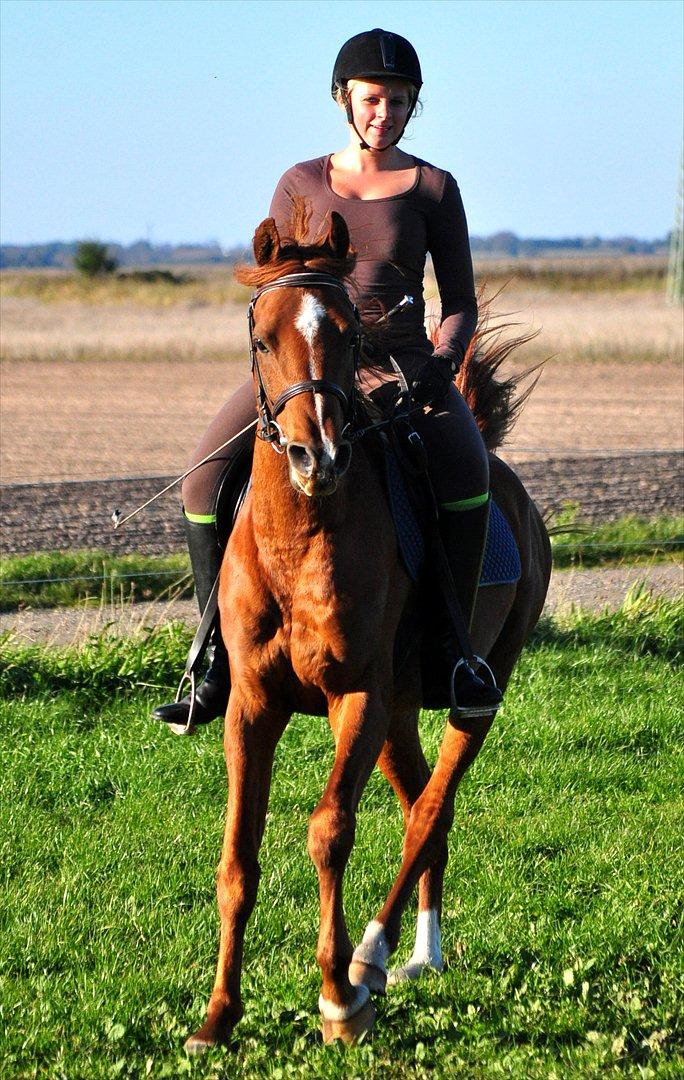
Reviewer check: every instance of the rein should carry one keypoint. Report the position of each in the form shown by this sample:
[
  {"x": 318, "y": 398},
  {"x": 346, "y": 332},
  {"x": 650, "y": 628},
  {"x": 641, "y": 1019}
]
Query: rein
[{"x": 268, "y": 429}]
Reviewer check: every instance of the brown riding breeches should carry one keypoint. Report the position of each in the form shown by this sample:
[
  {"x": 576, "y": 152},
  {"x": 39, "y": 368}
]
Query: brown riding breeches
[{"x": 457, "y": 458}]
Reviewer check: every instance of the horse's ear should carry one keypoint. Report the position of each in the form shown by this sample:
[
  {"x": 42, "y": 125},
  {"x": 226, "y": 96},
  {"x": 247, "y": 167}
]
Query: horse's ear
[
  {"x": 338, "y": 236},
  {"x": 266, "y": 242}
]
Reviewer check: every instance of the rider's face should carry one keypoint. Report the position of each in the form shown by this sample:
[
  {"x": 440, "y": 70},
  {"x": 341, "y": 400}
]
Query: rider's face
[{"x": 380, "y": 110}]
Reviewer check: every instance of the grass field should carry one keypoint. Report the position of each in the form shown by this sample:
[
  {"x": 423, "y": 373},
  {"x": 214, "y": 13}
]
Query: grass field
[
  {"x": 215, "y": 285},
  {"x": 586, "y": 309},
  {"x": 51, "y": 578},
  {"x": 564, "y": 896},
  {"x": 55, "y": 578}
]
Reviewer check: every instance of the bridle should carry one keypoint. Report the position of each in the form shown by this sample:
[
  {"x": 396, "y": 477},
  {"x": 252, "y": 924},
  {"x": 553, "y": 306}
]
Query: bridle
[{"x": 267, "y": 427}]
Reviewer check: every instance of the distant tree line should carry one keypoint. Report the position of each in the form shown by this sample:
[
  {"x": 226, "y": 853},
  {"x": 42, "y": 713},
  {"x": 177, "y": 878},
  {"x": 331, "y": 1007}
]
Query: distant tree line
[
  {"x": 507, "y": 243},
  {"x": 61, "y": 255}
]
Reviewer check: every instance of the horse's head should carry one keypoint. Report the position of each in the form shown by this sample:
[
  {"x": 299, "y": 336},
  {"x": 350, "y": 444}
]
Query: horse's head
[{"x": 304, "y": 340}]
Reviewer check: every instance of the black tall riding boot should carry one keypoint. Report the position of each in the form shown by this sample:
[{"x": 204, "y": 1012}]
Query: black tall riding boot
[
  {"x": 464, "y": 534},
  {"x": 211, "y": 696}
]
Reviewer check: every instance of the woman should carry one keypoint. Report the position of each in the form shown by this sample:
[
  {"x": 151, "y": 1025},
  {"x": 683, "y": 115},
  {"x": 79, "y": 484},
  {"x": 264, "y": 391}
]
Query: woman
[{"x": 398, "y": 208}]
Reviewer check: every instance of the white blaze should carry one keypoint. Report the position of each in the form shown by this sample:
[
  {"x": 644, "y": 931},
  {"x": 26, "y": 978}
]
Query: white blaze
[
  {"x": 309, "y": 318},
  {"x": 311, "y": 315}
]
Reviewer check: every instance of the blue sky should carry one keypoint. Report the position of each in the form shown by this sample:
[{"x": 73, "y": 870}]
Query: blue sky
[{"x": 173, "y": 119}]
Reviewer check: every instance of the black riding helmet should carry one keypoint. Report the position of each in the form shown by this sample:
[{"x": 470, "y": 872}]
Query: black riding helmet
[{"x": 376, "y": 54}]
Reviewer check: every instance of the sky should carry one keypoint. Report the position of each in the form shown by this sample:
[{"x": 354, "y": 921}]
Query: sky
[{"x": 172, "y": 120}]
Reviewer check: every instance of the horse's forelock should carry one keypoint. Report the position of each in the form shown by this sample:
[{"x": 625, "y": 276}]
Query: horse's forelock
[{"x": 298, "y": 253}]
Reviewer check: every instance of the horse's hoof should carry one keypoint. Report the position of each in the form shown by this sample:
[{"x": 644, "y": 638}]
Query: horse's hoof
[
  {"x": 411, "y": 971},
  {"x": 369, "y": 975},
  {"x": 208, "y": 1036},
  {"x": 197, "y": 1045},
  {"x": 349, "y": 1031}
]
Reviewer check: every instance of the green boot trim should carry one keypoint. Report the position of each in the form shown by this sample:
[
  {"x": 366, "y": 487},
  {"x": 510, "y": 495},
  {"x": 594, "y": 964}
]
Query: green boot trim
[
  {"x": 200, "y": 519},
  {"x": 466, "y": 504}
]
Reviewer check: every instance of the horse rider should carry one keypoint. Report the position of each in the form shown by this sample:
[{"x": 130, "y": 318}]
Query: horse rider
[{"x": 398, "y": 209}]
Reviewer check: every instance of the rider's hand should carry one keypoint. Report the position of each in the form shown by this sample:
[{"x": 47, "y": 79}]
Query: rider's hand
[{"x": 433, "y": 381}]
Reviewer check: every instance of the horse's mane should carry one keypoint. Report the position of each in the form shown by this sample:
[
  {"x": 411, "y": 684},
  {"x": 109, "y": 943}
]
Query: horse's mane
[
  {"x": 297, "y": 253},
  {"x": 495, "y": 402}
]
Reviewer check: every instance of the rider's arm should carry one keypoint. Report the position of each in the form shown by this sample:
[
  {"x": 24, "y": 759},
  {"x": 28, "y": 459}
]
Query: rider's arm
[{"x": 449, "y": 246}]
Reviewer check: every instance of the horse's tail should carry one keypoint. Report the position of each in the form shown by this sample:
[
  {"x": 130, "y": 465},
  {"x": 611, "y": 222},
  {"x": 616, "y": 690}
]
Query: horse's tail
[{"x": 495, "y": 401}]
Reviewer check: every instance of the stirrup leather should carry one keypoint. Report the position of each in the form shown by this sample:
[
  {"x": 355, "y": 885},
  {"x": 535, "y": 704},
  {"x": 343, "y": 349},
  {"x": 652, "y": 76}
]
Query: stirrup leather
[{"x": 468, "y": 711}]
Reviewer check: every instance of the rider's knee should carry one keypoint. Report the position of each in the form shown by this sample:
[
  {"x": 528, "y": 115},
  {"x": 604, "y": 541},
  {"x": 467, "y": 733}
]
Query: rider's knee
[{"x": 197, "y": 492}]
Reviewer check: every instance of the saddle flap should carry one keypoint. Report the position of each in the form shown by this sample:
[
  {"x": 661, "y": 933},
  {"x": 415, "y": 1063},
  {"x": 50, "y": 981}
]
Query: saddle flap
[{"x": 501, "y": 561}]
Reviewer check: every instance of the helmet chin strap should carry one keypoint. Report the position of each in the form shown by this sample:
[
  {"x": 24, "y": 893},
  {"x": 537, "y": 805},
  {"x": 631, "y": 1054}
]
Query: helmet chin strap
[{"x": 364, "y": 145}]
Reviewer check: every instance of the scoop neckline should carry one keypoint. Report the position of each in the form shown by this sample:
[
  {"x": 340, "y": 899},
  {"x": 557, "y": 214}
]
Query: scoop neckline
[{"x": 382, "y": 198}]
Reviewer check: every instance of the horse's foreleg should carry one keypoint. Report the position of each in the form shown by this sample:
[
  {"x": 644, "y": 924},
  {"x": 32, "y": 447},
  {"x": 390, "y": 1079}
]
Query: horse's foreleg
[
  {"x": 250, "y": 743},
  {"x": 426, "y": 838},
  {"x": 359, "y": 721},
  {"x": 403, "y": 763}
]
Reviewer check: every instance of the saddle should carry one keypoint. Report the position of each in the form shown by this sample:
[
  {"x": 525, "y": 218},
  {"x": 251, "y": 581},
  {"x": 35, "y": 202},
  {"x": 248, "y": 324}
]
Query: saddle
[
  {"x": 501, "y": 561},
  {"x": 434, "y": 617}
]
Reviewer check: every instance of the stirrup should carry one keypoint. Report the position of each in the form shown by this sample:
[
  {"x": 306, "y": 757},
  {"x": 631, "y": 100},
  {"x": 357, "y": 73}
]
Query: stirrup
[
  {"x": 466, "y": 712},
  {"x": 188, "y": 728}
]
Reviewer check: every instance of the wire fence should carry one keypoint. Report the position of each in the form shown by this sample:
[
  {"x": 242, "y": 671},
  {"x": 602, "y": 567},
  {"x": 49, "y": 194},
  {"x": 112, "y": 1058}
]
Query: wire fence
[
  {"x": 581, "y": 486},
  {"x": 111, "y": 577}
]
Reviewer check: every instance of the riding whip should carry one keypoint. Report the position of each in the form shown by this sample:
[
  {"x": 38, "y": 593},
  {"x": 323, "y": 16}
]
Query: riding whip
[{"x": 118, "y": 520}]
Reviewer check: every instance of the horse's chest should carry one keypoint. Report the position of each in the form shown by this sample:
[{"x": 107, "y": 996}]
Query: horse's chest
[
  {"x": 322, "y": 637},
  {"x": 312, "y": 619},
  {"x": 325, "y": 638}
]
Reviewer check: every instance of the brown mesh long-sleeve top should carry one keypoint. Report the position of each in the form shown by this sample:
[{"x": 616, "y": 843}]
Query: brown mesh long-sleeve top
[{"x": 392, "y": 237}]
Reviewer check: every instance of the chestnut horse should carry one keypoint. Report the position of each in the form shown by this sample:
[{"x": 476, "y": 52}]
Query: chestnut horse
[{"x": 310, "y": 604}]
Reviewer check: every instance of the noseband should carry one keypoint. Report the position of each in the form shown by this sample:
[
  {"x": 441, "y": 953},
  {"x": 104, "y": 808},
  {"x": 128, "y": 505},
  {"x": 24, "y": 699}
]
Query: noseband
[{"x": 267, "y": 428}]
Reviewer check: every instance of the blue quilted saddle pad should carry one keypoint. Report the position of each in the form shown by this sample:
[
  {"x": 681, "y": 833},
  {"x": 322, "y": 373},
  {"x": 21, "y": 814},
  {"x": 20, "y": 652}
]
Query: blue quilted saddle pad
[{"x": 501, "y": 563}]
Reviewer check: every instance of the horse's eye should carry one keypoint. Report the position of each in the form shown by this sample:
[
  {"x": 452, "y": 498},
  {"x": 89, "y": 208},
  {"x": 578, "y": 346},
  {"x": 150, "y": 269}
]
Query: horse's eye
[{"x": 260, "y": 345}]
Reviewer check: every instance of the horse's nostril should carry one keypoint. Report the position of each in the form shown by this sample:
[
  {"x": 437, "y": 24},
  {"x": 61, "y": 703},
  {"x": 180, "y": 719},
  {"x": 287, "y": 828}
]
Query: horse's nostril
[
  {"x": 301, "y": 459},
  {"x": 342, "y": 458}
]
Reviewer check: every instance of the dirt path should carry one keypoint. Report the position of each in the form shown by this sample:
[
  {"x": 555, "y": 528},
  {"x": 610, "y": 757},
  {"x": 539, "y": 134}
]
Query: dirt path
[{"x": 50, "y": 517}]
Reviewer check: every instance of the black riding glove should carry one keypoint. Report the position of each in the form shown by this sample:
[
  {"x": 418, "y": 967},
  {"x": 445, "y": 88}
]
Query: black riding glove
[{"x": 433, "y": 381}]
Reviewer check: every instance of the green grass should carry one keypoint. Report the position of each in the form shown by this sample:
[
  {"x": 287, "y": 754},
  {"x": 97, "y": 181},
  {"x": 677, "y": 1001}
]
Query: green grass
[
  {"x": 53, "y": 578},
  {"x": 97, "y": 577},
  {"x": 630, "y": 539},
  {"x": 563, "y": 901}
]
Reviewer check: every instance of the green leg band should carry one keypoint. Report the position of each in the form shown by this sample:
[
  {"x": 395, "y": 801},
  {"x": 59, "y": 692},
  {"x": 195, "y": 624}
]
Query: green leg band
[
  {"x": 466, "y": 504},
  {"x": 201, "y": 519}
]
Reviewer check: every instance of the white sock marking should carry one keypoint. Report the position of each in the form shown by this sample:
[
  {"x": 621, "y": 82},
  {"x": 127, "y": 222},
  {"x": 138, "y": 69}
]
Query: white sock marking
[
  {"x": 427, "y": 951},
  {"x": 428, "y": 946},
  {"x": 330, "y": 1011},
  {"x": 373, "y": 949}
]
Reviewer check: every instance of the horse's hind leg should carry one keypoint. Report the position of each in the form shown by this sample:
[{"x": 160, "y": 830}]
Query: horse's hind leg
[
  {"x": 432, "y": 812},
  {"x": 428, "y": 828},
  {"x": 250, "y": 743},
  {"x": 403, "y": 763}
]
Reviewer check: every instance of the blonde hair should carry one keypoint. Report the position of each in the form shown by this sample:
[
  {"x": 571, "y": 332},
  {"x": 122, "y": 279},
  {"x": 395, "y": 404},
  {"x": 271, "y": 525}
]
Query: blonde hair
[{"x": 342, "y": 91}]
